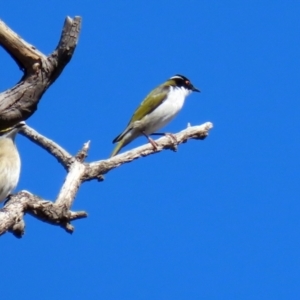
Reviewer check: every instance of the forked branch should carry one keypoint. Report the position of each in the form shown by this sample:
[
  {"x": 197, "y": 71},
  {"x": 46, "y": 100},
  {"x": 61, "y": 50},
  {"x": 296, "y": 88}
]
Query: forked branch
[
  {"x": 58, "y": 212},
  {"x": 40, "y": 71}
]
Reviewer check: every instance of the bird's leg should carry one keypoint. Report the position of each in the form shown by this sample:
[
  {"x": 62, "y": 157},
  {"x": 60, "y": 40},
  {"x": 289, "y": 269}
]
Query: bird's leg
[
  {"x": 171, "y": 136},
  {"x": 152, "y": 142}
]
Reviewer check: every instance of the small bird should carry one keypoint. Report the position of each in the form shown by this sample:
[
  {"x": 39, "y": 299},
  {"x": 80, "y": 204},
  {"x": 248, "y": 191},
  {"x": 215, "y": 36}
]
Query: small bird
[
  {"x": 10, "y": 163},
  {"x": 156, "y": 111}
]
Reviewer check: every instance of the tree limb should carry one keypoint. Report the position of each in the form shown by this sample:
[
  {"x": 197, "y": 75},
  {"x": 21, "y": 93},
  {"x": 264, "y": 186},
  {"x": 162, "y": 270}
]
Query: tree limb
[
  {"x": 20, "y": 102},
  {"x": 64, "y": 157},
  {"x": 58, "y": 212},
  {"x": 101, "y": 167},
  {"x": 11, "y": 216}
]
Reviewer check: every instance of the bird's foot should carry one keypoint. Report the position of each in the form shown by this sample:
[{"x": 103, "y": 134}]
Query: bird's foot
[
  {"x": 174, "y": 141},
  {"x": 153, "y": 143},
  {"x": 171, "y": 136}
]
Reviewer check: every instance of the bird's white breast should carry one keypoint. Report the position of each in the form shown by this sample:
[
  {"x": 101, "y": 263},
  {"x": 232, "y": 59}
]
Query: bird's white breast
[
  {"x": 10, "y": 166},
  {"x": 166, "y": 111}
]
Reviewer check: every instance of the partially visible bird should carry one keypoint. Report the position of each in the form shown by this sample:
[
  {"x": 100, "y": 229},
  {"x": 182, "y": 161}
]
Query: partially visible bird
[
  {"x": 156, "y": 111},
  {"x": 10, "y": 163}
]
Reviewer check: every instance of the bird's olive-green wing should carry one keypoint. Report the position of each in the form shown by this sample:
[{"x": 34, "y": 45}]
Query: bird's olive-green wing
[{"x": 150, "y": 103}]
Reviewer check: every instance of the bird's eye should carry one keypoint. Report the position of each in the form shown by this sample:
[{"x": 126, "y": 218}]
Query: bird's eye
[{"x": 187, "y": 82}]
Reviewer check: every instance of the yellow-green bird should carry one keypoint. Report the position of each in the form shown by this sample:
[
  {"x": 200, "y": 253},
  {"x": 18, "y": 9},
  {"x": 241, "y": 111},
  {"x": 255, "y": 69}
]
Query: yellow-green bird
[{"x": 156, "y": 111}]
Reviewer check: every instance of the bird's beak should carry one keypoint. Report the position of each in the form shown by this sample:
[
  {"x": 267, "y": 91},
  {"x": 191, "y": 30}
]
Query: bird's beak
[{"x": 195, "y": 90}]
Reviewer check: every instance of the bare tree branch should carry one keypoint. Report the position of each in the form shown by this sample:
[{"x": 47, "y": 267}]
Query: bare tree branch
[
  {"x": 58, "y": 212},
  {"x": 64, "y": 157},
  {"x": 11, "y": 216},
  {"x": 22, "y": 52},
  {"x": 99, "y": 168},
  {"x": 20, "y": 102}
]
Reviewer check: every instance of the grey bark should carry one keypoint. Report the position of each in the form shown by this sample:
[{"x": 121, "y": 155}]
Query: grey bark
[{"x": 40, "y": 71}]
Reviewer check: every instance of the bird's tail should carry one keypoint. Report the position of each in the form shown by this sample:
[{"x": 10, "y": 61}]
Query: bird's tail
[{"x": 117, "y": 149}]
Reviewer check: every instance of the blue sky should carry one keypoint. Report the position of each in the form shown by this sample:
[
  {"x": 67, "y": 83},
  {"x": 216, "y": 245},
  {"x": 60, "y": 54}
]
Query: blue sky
[{"x": 219, "y": 219}]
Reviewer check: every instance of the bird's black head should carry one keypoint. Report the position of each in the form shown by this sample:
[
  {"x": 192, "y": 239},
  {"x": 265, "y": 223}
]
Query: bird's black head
[{"x": 181, "y": 80}]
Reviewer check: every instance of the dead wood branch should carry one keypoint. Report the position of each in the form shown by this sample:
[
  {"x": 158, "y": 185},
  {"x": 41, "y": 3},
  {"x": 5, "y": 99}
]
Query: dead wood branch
[
  {"x": 40, "y": 71},
  {"x": 51, "y": 147},
  {"x": 58, "y": 212}
]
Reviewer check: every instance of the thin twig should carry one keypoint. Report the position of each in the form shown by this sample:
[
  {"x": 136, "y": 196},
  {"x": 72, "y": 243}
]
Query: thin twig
[{"x": 64, "y": 157}]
